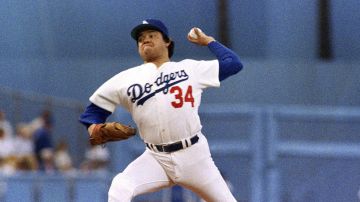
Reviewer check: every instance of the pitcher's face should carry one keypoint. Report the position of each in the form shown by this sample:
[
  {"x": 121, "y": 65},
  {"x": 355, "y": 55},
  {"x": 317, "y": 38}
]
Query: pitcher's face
[{"x": 152, "y": 46}]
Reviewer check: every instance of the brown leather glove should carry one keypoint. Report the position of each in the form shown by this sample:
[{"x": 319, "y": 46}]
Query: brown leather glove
[{"x": 108, "y": 132}]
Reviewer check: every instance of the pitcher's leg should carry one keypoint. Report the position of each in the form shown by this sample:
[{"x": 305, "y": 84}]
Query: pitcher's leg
[
  {"x": 214, "y": 189},
  {"x": 207, "y": 182},
  {"x": 143, "y": 175},
  {"x": 200, "y": 174}
]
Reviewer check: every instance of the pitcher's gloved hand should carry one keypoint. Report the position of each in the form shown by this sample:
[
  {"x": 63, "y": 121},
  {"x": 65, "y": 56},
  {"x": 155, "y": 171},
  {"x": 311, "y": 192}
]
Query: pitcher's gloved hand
[{"x": 108, "y": 132}]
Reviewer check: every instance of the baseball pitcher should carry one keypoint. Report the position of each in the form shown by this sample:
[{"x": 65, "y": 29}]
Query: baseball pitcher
[{"x": 163, "y": 98}]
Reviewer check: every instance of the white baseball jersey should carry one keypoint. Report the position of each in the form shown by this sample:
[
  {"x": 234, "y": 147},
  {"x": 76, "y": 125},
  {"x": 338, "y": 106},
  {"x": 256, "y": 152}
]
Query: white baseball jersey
[{"x": 163, "y": 101}]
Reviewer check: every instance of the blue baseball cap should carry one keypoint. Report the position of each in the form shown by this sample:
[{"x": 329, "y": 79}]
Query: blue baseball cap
[{"x": 149, "y": 24}]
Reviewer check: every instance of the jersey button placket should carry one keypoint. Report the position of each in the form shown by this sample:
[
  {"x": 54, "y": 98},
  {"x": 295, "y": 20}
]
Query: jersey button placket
[
  {"x": 163, "y": 122},
  {"x": 159, "y": 115}
]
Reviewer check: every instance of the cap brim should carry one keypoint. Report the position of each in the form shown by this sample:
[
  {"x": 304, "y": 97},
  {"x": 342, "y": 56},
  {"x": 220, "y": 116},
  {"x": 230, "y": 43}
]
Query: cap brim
[{"x": 143, "y": 27}]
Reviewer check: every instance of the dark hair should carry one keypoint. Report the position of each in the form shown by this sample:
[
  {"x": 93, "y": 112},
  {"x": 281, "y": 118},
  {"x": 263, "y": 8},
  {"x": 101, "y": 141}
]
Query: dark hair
[{"x": 170, "y": 47}]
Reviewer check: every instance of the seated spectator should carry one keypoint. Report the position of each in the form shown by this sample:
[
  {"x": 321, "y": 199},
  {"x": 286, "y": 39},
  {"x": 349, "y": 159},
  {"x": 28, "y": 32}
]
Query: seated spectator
[
  {"x": 6, "y": 145},
  {"x": 24, "y": 151},
  {"x": 96, "y": 159},
  {"x": 62, "y": 158},
  {"x": 6, "y": 125},
  {"x": 23, "y": 140},
  {"x": 7, "y": 162}
]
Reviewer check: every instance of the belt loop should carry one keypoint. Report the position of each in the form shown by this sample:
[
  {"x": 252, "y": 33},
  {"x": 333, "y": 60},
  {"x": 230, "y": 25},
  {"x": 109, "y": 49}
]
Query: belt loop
[
  {"x": 153, "y": 147},
  {"x": 183, "y": 143},
  {"x": 187, "y": 142}
]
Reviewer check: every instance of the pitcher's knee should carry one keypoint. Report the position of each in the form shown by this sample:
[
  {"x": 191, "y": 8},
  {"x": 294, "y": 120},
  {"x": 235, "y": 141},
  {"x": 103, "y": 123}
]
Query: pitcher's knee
[{"x": 121, "y": 189}]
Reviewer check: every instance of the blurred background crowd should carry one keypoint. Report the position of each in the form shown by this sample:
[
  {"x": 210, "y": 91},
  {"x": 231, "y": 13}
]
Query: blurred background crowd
[{"x": 30, "y": 147}]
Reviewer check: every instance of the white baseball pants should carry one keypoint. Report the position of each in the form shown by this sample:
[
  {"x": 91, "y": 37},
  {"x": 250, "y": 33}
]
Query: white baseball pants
[{"x": 192, "y": 168}]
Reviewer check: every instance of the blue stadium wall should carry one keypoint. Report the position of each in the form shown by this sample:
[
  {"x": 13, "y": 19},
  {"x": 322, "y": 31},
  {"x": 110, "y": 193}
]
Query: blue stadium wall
[{"x": 68, "y": 48}]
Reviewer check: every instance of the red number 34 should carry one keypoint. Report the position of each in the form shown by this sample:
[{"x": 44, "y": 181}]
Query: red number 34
[{"x": 179, "y": 99}]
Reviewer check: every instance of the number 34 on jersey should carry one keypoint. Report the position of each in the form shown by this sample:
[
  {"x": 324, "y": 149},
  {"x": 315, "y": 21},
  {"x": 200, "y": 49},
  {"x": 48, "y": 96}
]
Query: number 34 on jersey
[{"x": 180, "y": 97}]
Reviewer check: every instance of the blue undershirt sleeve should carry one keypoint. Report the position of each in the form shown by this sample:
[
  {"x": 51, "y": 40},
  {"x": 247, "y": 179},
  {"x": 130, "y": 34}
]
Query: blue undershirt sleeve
[
  {"x": 229, "y": 62},
  {"x": 94, "y": 114}
]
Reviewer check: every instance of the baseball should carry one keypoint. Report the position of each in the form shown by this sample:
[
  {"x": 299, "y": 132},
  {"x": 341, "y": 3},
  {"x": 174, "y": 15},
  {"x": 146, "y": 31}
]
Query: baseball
[{"x": 192, "y": 33}]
